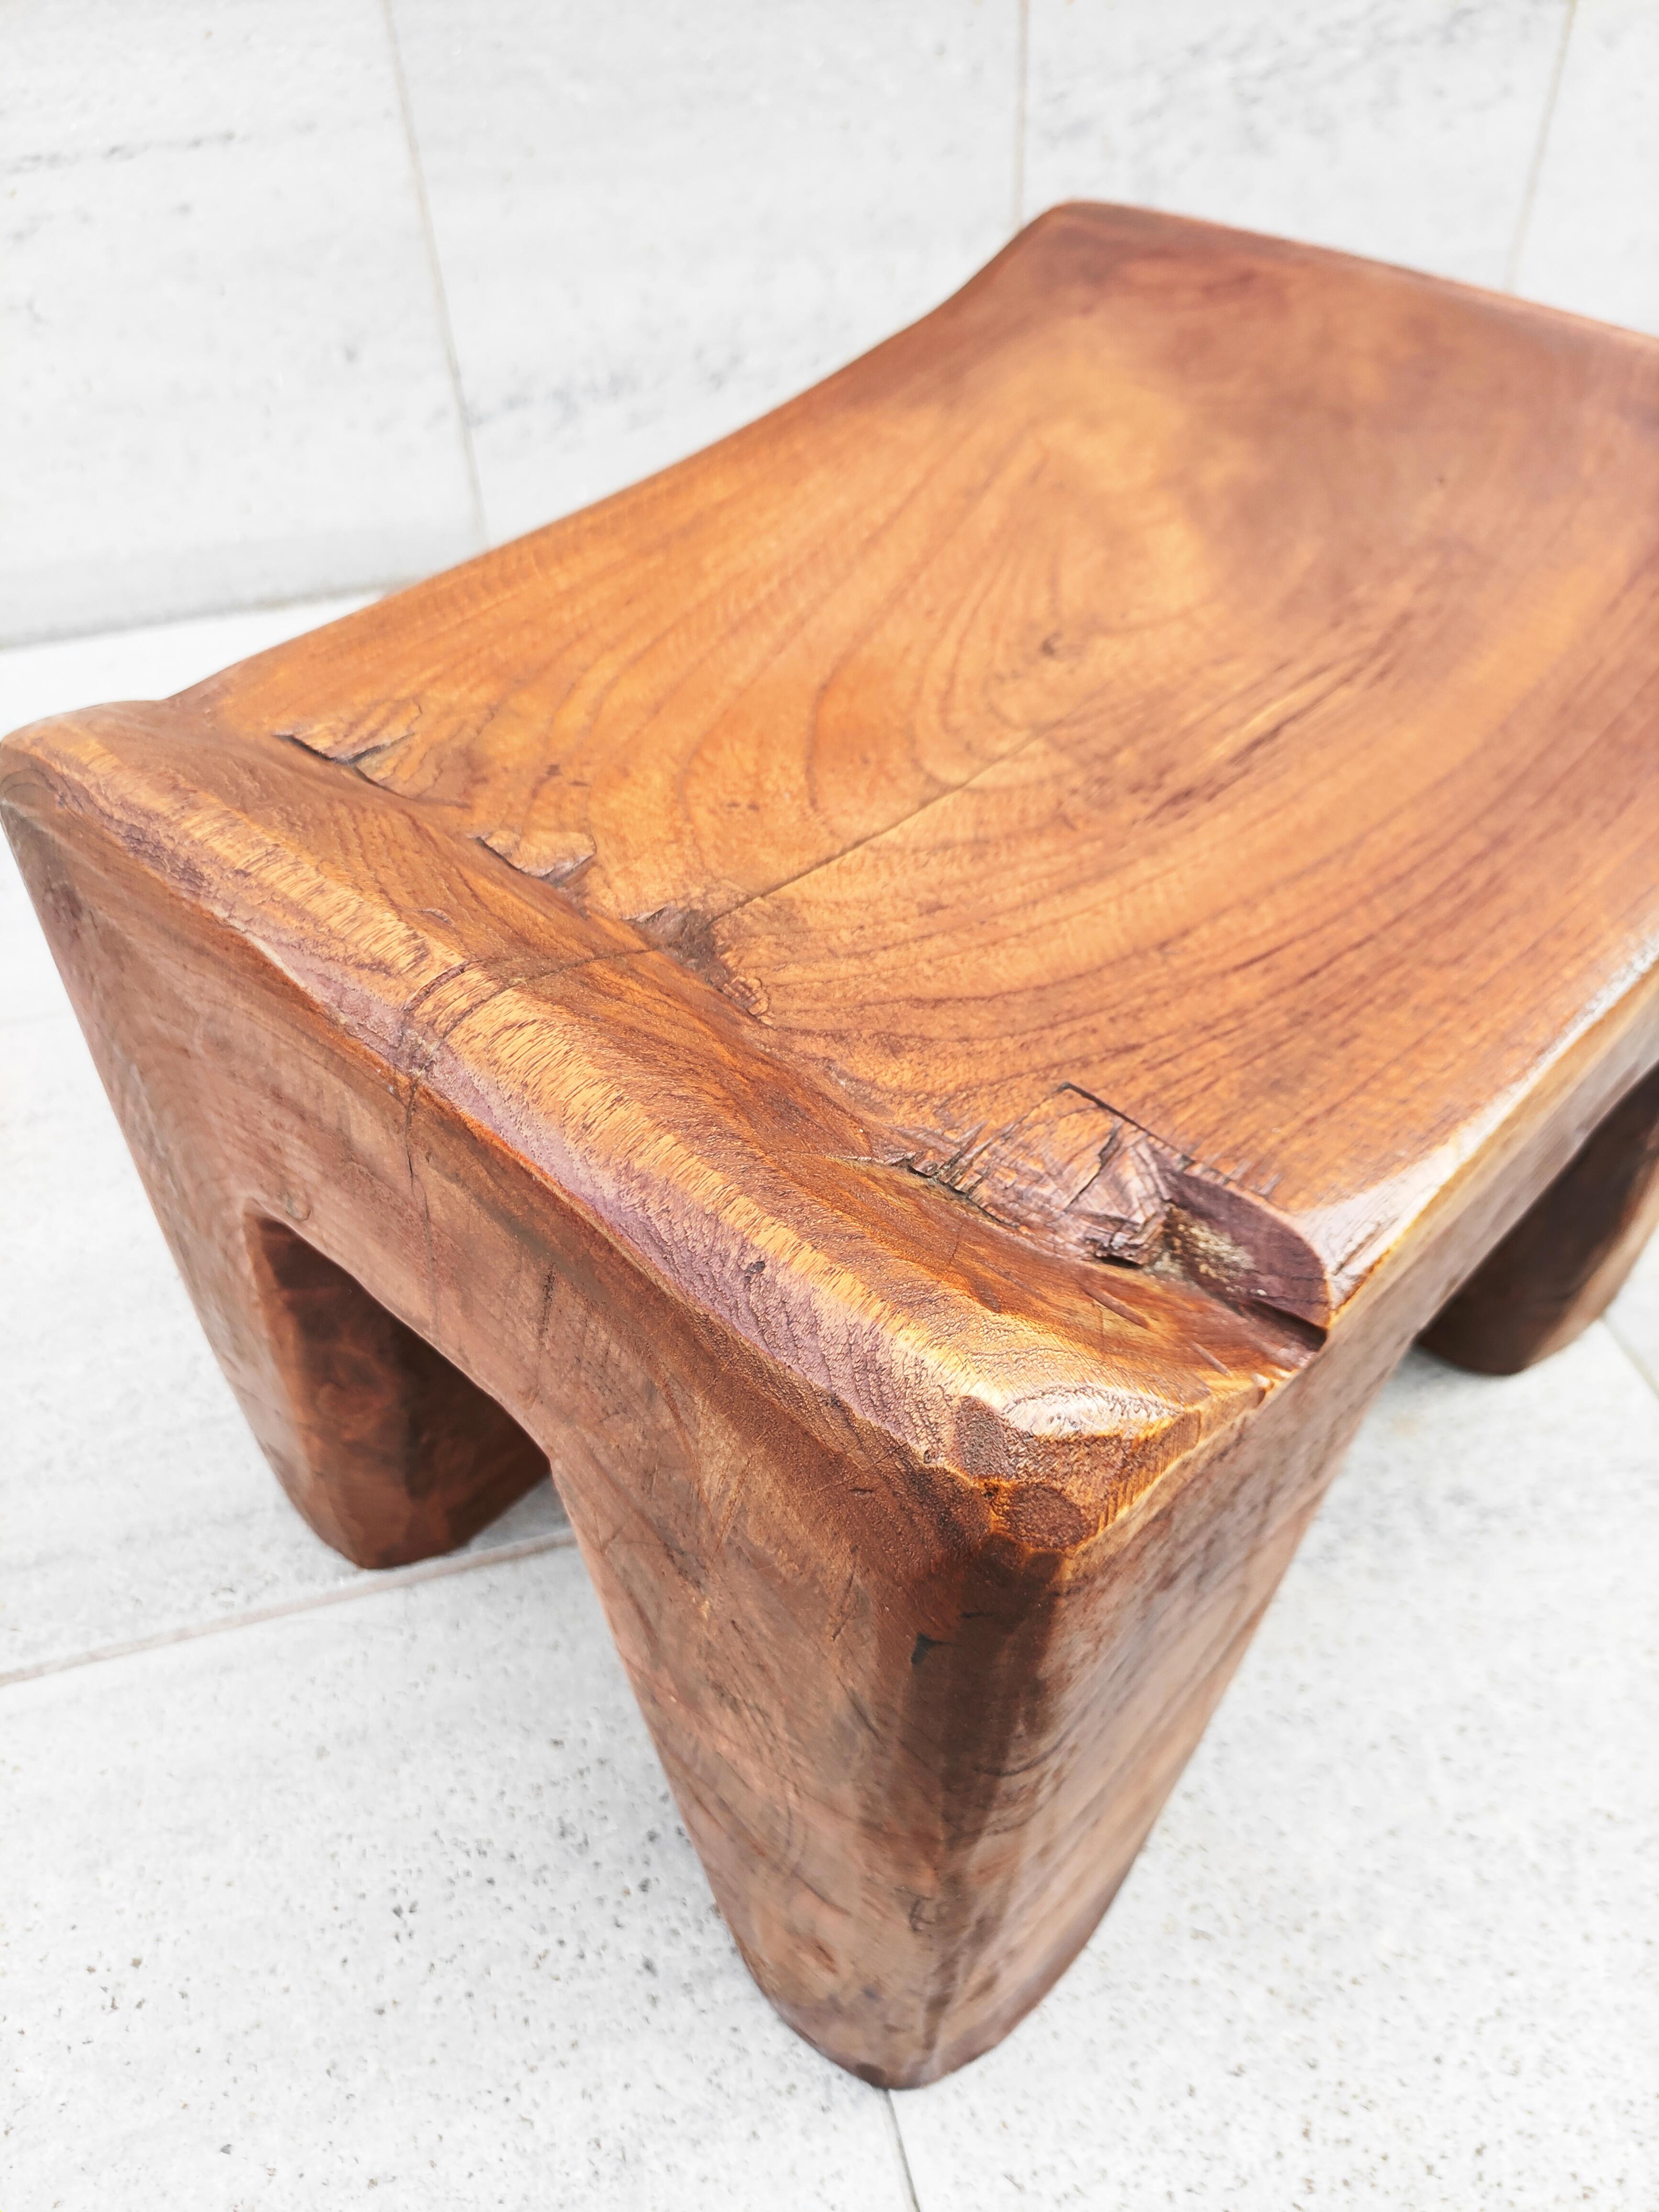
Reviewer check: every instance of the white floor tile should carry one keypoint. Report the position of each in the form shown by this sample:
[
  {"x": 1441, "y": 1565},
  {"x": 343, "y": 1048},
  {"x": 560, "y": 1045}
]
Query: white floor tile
[
  {"x": 390, "y": 1896},
  {"x": 133, "y": 1500},
  {"x": 149, "y": 663},
  {"x": 1402, "y": 129},
  {"x": 29, "y": 988},
  {"x": 1593, "y": 242},
  {"x": 1393, "y": 1941},
  {"x": 1633, "y": 1317},
  {"x": 133, "y": 664},
  {"x": 224, "y": 378},
  {"x": 656, "y": 220}
]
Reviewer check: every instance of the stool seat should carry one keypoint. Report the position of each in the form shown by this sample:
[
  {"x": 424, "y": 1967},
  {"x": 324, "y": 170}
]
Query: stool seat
[{"x": 927, "y": 1001}]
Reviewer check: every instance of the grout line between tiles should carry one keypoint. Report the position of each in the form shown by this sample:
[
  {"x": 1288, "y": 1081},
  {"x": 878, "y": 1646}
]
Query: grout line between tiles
[
  {"x": 371, "y": 1584},
  {"x": 912, "y": 2202},
  {"x": 1631, "y": 1353},
  {"x": 1523, "y": 221},
  {"x": 440, "y": 293}
]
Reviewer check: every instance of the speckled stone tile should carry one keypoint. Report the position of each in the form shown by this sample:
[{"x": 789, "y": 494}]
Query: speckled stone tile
[
  {"x": 1593, "y": 242},
  {"x": 152, "y": 662},
  {"x": 656, "y": 220},
  {"x": 387, "y": 1897},
  {"x": 222, "y": 370},
  {"x": 81, "y": 672},
  {"x": 1402, "y": 129},
  {"x": 1391, "y": 1941},
  {"x": 1633, "y": 1317}
]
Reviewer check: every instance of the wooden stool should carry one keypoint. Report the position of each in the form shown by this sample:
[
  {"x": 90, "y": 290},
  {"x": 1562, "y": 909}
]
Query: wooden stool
[{"x": 926, "y": 1002}]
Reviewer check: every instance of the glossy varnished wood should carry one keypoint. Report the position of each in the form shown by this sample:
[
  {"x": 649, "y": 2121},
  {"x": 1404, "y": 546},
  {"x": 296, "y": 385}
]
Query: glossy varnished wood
[
  {"x": 1190, "y": 677},
  {"x": 926, "y": 1003}
]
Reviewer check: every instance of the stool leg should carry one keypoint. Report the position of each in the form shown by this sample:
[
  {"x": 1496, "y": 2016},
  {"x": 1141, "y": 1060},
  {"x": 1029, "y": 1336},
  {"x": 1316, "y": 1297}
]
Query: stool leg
[
  {"x": 1566, "y": 1257},
  {"x": 916, "y": 1749},
  {"x": 389, "y": 1450}
]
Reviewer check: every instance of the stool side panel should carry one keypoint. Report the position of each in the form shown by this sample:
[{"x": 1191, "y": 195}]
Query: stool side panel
[{"x": 918, "y": 1720}]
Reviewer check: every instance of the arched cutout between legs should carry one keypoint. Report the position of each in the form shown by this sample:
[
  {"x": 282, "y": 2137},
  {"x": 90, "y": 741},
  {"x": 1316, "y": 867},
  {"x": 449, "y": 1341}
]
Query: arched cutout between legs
[{"x": 389, "y": 1451}]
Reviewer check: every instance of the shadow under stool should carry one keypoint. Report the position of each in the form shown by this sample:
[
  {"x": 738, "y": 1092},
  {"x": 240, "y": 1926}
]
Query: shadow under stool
[{"x": 924, "y": 1003}]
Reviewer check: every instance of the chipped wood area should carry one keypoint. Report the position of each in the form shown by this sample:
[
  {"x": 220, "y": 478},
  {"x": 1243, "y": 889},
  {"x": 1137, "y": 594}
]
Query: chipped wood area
[
  {"x": 1070, "y": 1168},
  {"x": 1074, "y": 1168}
]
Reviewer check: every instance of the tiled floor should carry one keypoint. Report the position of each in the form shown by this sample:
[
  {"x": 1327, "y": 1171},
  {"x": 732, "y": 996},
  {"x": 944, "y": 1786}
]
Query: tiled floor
[{"x": 314, "y": 1882}]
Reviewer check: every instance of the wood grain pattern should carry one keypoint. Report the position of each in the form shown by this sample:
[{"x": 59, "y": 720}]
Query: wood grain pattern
[
  {"x": 924, "y": 1003},
  {"x": 1196, "y": 672}
]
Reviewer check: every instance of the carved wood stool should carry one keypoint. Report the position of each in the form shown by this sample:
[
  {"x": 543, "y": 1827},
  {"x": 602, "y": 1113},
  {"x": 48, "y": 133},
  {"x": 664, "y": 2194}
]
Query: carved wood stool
[{"x": 927, "y": 1002}]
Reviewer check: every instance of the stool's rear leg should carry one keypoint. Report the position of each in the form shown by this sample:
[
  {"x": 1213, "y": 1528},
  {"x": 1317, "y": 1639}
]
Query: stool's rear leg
[
  {"x": 1568, "y": 1256},
  {"x": 390, "y": 1453}
]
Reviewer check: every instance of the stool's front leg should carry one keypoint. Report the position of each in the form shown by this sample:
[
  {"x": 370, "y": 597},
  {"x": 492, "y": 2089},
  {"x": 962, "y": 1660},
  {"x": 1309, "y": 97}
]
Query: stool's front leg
[{"x": 918, "y": 1726}]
